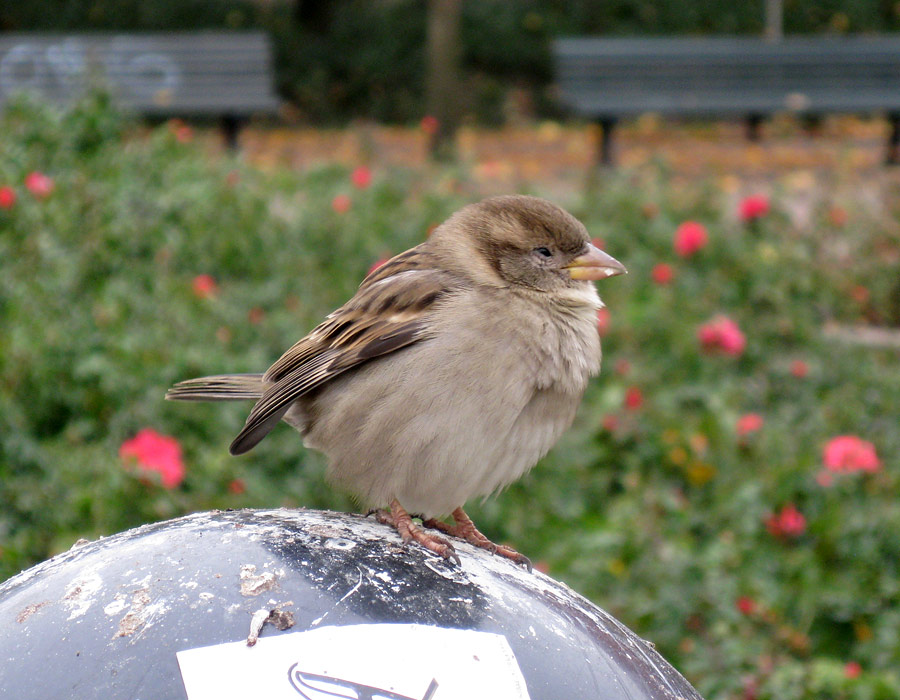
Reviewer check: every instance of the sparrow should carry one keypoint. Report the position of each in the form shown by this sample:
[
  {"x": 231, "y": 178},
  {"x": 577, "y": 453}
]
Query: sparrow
[{"x": 453, "y": 369}]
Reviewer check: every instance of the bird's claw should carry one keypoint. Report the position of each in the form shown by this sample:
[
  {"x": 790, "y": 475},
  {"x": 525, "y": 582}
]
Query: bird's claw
[
  {"x": 465, "y": 529},
  {"x": 401, "y": 521}
]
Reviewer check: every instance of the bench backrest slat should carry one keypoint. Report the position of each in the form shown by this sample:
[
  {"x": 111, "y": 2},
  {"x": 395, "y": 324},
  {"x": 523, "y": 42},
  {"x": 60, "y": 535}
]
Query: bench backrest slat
[
  {"x": 727, "y": 75},
  {"x": 190, "y": 73}
]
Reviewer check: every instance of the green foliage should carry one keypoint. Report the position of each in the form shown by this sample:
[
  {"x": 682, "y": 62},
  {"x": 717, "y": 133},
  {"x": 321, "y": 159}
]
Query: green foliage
[{"x": 657, "y": 512}]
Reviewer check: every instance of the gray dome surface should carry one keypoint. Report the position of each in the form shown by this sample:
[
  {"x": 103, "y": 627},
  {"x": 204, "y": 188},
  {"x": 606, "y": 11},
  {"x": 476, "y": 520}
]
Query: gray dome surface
[{"x": 119, "y": 618}]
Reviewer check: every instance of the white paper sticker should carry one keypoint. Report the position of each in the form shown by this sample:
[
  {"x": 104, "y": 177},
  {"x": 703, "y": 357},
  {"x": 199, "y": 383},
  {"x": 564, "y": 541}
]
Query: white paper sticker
[{"x": 358, "y": 662}]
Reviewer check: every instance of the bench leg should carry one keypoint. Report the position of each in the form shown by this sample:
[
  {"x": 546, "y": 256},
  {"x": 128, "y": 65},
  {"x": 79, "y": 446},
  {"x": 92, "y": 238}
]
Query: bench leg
[
  {"x": 893, "y": 144},
  {"x": 231, "y": 126},
  {"x": 812, "y": 124},
  {"x": 754, "y": 121},
  {"x": 604, "y": 140}
]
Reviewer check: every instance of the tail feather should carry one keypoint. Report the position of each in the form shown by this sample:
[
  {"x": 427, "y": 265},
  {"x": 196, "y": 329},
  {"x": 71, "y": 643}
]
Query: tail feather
[{"x": 223, "y": 387}]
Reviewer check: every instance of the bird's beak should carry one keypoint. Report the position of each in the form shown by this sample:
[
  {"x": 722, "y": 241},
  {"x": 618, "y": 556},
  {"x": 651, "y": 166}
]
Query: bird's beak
[{"x": 595, "y": 265}]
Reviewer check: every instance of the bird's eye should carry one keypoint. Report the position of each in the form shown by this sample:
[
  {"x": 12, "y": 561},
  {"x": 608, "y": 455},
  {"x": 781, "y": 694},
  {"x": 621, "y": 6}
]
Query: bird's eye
[{"x": 543, "y": 252}]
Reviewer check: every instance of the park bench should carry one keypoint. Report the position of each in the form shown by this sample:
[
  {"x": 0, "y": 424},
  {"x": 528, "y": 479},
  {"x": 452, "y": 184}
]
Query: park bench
[
  {"x": 608, "y": 79},
  {"x": 226, "y": 75}
]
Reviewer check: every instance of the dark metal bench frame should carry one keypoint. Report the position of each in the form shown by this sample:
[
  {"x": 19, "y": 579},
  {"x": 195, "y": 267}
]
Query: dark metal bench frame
[{"x": 609, "y": 79}]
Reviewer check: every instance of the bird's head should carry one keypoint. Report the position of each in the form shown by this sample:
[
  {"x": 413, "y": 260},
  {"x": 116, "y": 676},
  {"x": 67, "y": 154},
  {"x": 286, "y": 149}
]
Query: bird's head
[{"x": 524, "y": 242}]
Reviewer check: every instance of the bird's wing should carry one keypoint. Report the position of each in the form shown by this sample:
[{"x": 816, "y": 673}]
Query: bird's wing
[{"x": 388, "y": 312}]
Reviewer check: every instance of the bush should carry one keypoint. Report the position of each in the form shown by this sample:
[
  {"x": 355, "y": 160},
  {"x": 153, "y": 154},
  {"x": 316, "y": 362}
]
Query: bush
[{"x": 692, "y": 498}]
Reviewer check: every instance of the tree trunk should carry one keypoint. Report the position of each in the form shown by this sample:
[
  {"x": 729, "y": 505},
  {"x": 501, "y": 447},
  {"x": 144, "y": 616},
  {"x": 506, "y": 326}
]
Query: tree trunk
[{"x": 443, "y": 87}]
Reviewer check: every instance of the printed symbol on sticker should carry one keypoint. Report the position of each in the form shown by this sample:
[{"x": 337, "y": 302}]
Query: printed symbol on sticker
[{"x": 313, "y": 686}]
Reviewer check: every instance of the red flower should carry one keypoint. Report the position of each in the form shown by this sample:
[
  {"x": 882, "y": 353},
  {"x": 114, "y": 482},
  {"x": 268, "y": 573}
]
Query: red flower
[
  {"x": 361, "y": 177},
  {"x": 7, "y": 197},
  {"x": 38, "y": 184},
  {"x": 430, "y": 124},
  {"x": 256, "y": 315},
  {"x": 860, "y": 294},
  {"x": 848, "y": 453},
  {"x": 204, "y": 286},
  {"x": 838, "y": 216},
  {"x": 723, "y": 335},
  {"x": 799, "y": 369},
  {"x": 154, "y": 452},
  {"x": 603, "y": 319},
  {"x": 610, "y": 422},
  {"x": 634, "y": 398},
  {"x": 852, "y": 669},
  {"x": 341, "y": 203},
  {"x": 542, "y": 566},
  {"x": 749, "y": 423},
  {"x": 746, "y": 605},
  {"x": 789, "y": 522},
  {"x": 690, "y": 237},
  {"x": 753, "y": 207},
  {"x": 237, "y": 486},
  {"x": 623, "y": 366},
  {"x": 662, "y": 273},
  {"x": 181, "y": 131},
  {"x": 378, "y": 263},
  {"x": 650, "y": 210}
]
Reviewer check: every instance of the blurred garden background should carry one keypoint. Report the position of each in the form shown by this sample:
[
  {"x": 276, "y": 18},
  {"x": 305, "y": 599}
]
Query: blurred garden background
[{"x": 730, "y": 487}]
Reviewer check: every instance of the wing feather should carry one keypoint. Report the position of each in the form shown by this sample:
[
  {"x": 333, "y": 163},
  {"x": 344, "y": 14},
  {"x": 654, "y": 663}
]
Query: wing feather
[{"x": 389, "y": 311}]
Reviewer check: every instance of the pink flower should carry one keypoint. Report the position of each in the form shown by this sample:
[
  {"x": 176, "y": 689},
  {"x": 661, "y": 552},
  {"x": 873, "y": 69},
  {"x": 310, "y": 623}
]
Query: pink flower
[
  {"x": 7, "y": 197},
  {"x": 361, "y": 177},
  {"x": 746, "y": 605},
  {"x": 852, "y": 669},
  {"x": 610, "y": 422},
  {"x": 753, "y": 207},
  {"x": 723, "y": 335},
  {"x": 378, "y": 263},
  {"x": 751, "y": 688},
  {"x": 690, "y": 237},
  {"x": 341, "y": 203},
  {"x": 848, "y": 453},
  {"x": 623, "y": 366},
  {"x": 430, "y": 124},
  {"x": 204, "y": 286},
  {"x": 153, "y": 452},
  {"x": 603, "y": 319},
  {"x": 799, "y": 369},
  {"x": 662, "y": 274},
  {"x": 824, "y": 478},
  {"x": 789, "y": 522},
  {"x": 749, "y": 423},
  {"x": 38, "y": 184},
  {"x": 634, "y": 398}
]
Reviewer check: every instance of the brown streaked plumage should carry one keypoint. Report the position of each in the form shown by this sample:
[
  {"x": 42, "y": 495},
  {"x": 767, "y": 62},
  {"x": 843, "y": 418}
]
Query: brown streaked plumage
[{"x": 455, "y": 366}]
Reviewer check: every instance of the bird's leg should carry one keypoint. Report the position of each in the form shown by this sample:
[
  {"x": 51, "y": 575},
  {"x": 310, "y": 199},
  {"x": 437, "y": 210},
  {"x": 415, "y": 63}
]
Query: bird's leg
[
  {"x": 400, "y": 520},
  {"x": 465, "y": 529}
]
